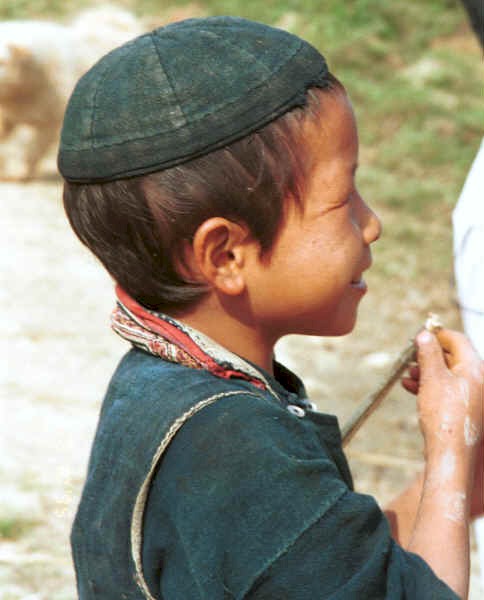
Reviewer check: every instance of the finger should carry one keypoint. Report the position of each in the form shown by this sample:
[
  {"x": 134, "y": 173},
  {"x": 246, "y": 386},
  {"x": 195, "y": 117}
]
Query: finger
[
  {"x": 414, "y": 372},
  {"x": 430, "y": 356},
  {"x": 410, "y": 385},
  {"x": 457, "y": 347}
]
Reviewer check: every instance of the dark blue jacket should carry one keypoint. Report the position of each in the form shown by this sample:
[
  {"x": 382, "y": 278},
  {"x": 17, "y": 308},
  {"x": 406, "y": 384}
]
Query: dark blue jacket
[{"x": 201, "y": 488}]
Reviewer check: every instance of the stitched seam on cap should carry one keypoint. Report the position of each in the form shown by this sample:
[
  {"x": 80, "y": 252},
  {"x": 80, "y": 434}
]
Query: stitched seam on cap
[
  {"x": 165, "y": 72},
  {"x": 94, "y": 101},
  {"x": 254, "y": 57}
]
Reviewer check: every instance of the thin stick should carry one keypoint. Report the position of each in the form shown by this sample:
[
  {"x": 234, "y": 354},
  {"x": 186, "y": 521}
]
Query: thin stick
[{"x": 373, "y": 400}]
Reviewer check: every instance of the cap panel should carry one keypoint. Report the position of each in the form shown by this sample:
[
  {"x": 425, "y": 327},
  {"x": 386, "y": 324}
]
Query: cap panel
[{"x": 137, "y": 100}]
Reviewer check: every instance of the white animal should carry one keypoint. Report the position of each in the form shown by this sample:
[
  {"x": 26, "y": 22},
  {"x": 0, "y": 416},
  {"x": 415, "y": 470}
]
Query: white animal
[{"x": 39, "y": 64}]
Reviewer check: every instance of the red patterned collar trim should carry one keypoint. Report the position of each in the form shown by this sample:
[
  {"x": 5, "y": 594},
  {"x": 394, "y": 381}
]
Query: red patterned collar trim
[{"x": 171, "y": 340}]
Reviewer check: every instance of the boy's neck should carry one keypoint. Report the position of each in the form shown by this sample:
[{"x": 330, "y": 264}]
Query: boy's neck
[{"x": 232, "y": 331}]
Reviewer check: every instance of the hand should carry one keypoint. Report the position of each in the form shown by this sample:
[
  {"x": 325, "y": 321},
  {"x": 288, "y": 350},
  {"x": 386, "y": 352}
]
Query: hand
[
  {"x": 412, "y": 381},
  {"x": 449, "y": 382},
  {"x": 412, "y": 384}
]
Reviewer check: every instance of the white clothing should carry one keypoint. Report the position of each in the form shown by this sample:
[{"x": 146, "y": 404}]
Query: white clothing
[{"x": 468, "y": 226}]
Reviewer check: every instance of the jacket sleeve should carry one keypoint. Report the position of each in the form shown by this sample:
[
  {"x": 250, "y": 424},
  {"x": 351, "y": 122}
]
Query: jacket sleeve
[{"x": 349, "y": 555}]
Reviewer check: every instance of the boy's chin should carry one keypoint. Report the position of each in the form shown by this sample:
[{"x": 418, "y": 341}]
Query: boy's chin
[
  {"x": 344, "y": 325},
  {"x": 340, "y": 329},
  {"x": 332, "y": 325},
  {"x": 338, "y": 332},
  {"x": 334, "y": 329}
]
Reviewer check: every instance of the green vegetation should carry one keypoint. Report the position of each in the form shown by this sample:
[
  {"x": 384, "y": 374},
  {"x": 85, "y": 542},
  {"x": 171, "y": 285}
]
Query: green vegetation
[
  {"x": 12, "y": 528},
  {"x": 412, "y": 68}
]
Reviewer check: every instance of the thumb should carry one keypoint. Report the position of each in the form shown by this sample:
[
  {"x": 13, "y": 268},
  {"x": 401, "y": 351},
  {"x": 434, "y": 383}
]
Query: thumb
[{"x": 430, "y": 357}]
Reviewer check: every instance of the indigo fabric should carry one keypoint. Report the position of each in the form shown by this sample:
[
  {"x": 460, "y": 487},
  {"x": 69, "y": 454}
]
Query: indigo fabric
[
  {"x": 180, "y": 92},
  {"x": 249, "y": 499}
]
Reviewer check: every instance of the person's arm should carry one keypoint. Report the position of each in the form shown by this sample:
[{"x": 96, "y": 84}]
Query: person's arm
[
  {"x": 401, "y": 512},
  {"x": 431, "y": 517},
  {"x": 441, "y": 531}
]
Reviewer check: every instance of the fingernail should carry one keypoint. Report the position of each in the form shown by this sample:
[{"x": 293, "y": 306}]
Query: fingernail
[{"x": 424, "y": 337}]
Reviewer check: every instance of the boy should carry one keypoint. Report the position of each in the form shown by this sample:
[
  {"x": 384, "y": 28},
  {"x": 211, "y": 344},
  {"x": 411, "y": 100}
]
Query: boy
[{"x": 210, "y": 166}]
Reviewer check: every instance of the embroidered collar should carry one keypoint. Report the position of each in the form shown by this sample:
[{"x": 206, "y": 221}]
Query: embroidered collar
[{"x": 163, "y": 336}]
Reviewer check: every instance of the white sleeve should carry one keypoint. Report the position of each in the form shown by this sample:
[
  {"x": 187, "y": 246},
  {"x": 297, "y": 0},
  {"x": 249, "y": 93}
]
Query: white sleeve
[{"x": 468, "y": 229}]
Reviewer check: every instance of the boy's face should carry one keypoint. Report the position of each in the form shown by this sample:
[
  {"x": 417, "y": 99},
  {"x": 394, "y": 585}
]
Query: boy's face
[{"x": 310, "y": 282}]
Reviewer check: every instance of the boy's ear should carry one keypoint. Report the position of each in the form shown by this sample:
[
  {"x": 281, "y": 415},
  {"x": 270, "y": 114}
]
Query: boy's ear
[{"x": 218, "y": 253}]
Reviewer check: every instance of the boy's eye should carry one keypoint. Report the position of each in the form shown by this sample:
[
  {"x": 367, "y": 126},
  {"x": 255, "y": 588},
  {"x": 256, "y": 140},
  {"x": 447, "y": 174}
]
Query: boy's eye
[
  {"x": 342, "y": 205},
  {"x": 347, "y": 200}
]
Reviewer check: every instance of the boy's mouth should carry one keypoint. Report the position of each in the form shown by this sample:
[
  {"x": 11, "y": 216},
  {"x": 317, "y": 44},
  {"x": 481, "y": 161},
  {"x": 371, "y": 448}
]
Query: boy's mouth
[{"x": 359, "y": 284}]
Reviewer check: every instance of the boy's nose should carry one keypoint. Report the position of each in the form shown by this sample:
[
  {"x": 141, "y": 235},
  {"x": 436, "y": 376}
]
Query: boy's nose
[
  {"x": 370, "y": 225},
  {"x": 375, "y": 227}
]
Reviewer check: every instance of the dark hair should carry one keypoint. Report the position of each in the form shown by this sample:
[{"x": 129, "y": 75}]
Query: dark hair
[{"x": 136, "y": 226}]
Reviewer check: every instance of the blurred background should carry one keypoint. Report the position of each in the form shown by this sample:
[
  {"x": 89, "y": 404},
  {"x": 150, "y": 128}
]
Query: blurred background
[{"x": 413, "y": 69}]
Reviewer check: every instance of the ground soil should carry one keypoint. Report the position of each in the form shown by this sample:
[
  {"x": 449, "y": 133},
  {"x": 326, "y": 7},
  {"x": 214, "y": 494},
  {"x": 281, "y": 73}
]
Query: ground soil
[{"x": 59, "y": 353}]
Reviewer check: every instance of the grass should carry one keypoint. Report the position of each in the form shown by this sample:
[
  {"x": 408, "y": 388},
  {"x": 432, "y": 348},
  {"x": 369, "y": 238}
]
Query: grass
[
  {"x": 13, "y": 528},
  {"x": 412, "y": 69}
]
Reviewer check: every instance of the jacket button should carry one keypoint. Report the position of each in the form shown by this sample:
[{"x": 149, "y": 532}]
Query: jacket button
[{"x": 296, "y": 410}]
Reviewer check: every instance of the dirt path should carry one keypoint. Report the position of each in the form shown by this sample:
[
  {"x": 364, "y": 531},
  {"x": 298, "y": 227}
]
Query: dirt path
[{"x": 58, "y": 354}]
